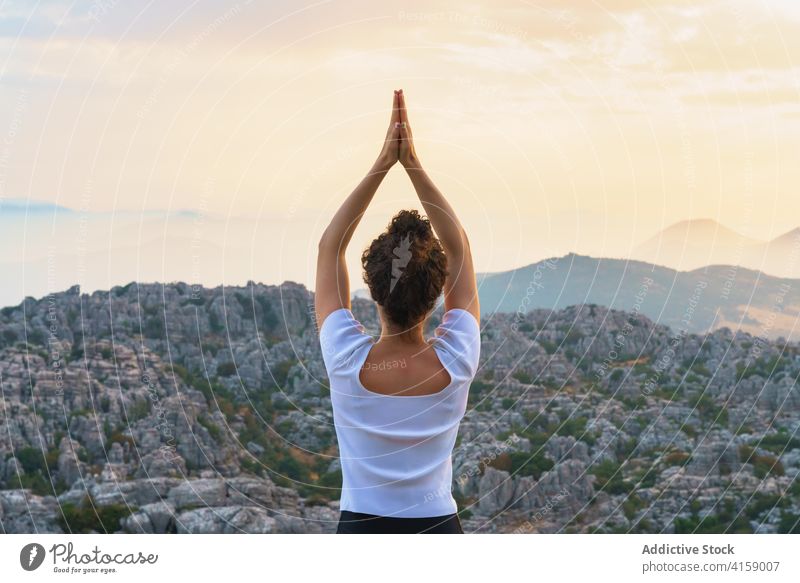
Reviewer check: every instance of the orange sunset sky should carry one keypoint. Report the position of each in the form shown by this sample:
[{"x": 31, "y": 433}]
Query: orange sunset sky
[{"x": 553, "y": 126}]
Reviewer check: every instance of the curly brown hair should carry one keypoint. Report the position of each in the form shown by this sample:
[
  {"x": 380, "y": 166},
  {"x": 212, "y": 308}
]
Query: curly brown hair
[{"x": 405, "y": 268}]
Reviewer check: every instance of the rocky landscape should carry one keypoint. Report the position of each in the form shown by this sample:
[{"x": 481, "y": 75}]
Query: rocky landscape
[{"x": 175, "y": 408}]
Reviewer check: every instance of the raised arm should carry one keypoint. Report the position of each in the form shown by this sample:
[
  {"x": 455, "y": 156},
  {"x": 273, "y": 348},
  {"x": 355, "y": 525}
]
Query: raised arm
[
  {"x": 460, "y": 288},
  {"x": 333, "y": 284}
]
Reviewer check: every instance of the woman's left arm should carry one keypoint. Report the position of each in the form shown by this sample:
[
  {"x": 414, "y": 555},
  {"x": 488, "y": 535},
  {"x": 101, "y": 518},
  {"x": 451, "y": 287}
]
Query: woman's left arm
[{"x": 333, "y": 284}]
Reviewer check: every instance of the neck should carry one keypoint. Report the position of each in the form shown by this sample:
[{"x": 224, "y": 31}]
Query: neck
[{"x": 395, "y": 335}]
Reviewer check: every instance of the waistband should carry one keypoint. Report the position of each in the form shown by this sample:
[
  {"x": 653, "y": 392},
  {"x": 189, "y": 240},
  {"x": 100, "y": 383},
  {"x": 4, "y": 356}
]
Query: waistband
[{"x": 360, "y": 523}]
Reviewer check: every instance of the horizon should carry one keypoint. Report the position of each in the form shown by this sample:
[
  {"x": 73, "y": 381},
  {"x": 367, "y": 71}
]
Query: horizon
[
  {"x": 715, "y": 297},
  {"x": 175, "y": 246},
  {"x": 39, "y": 205},
  {"x": 357, "y": 291}
]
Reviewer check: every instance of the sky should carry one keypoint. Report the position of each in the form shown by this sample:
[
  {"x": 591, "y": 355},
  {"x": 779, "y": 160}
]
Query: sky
[{"x": 552, "y": 126}]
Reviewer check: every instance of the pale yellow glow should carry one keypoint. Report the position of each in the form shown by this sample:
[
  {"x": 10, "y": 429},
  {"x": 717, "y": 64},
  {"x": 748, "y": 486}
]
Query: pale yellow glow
[{"x": 553, "y": 126}]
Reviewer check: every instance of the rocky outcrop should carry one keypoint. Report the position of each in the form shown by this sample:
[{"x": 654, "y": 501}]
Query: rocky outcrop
[
  {"x": 176, "y": 408},
  {"x": 22, "y": 512}
]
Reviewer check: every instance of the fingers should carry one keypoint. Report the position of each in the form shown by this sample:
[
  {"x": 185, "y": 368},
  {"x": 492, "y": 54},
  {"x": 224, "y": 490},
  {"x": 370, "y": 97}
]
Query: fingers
[
  {"x": 394, "y": 132},
  {"x": 403, "y": 130},
  {"x": 404, "y": 115},
  {"x": 395, "y": 116},
  {"x": 391, "y": 132},
  {"x": 402, "y": 106},
  {"x": 395, "y": 108}
]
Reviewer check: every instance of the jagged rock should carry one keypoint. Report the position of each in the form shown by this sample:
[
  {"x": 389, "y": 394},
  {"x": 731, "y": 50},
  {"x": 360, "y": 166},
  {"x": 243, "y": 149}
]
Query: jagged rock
[
  {"x": 250, "y": 491},
  {"x": 22, "y": 512},
  {"x": 162, "y": 463},
  {"x": 226, "y": 520},
  {"x": 116, "y": 454},
  {"x": 560, "y": 448},
  {"x": 133, "y": 493},
  {"x": 286, "y": 524},
  {"x": 495, "y": 491},
  {"x": 207, "y": 492},
  {"x": 318, "y": 519},
  {"x": 254, "y": 448},
  {"x": 10, "y": 470},
  {"x": 567, "y": 486},
  {"x": 715, "y": 450},
  {"x": 69, "y": 466},
  {"x": 286, "y": 500},
  {"x": 155, "y": 518},
  {"x": 146, "y": 423}
]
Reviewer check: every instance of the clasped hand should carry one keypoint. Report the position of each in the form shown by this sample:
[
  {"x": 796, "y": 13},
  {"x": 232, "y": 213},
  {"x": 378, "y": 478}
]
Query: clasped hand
[{"x": 399, "y": 143}]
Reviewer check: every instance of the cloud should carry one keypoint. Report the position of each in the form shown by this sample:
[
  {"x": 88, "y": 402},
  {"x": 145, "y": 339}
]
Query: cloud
[{"x": 151, "y": 100}]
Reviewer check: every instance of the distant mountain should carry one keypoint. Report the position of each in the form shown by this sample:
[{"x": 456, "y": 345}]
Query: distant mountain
[
  {"x": 781, "y": 256},
  {"x": 699, "y": 300},
  {"x": 17, "y": 206},
  {"x": 54, "y": 248},
  {"x": 696, "y": 243},
  {"x": 13, "y": 207},
  {"x": 362, "y": 293},
  {"x": 789, "y": 238}
]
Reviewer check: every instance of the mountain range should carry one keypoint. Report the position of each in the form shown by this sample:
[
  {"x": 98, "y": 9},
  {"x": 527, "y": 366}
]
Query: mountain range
[
  {"x": 689, "y": 245},
  {"x": 750, "y": 284},
  {"x": 697, "y": 301}
]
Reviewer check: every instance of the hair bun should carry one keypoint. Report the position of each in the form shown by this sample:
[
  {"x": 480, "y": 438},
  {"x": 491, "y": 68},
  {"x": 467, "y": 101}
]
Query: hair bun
[{"x": 410, "y": 223}]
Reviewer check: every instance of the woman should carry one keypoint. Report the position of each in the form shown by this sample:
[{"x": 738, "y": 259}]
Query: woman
[{"x": 398, "y": 401}]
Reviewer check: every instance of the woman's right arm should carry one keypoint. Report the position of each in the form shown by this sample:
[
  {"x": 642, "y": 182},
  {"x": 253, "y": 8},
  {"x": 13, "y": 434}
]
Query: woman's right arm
[{"x": 460, "y": 288}]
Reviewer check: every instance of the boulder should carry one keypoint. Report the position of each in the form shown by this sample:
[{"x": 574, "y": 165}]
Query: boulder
[
  {"x": 226, "y": 520},
  {"x": 194, "y": 493}
]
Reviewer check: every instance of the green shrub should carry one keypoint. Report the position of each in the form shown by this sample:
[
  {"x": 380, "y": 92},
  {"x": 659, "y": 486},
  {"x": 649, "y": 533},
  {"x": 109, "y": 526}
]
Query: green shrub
[
  {"x": 226, "y": 369},
  {"x": 525, "y": 464},
  {"x": 477, "y": 391},
  {"x": 31, "y": 459},
  {"x": 154, "y": 327},
  {"x": 213, "y": 430},
  {"x": 609, "y": 478},
  {"x": 87, "y": 517},
  {"x": 523, "y": 377},
  {"x": 549, "y": 347},
  {"x": 789, "y": 523},
  {"x": 280, "y": 371},
  {"x": 726, "y": 520},
  {"x": 763, "y": 465},
  {"x": 779, "y": 442}
]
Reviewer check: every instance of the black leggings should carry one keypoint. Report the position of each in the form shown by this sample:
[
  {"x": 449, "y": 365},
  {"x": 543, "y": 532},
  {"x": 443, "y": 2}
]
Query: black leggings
[{"x": 358, "y": 523}]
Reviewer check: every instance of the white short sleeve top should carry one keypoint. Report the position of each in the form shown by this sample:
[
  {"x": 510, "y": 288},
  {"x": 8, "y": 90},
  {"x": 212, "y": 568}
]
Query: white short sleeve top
[{"x": 396, "y": 450}]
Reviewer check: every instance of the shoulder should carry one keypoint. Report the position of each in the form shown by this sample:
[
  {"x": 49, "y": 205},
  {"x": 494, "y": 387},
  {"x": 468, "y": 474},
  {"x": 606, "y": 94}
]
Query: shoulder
[
  {"x": 459, "y": 319},
  {"x": 340, "y": 336},
  {"x": 459, "y": 338}
]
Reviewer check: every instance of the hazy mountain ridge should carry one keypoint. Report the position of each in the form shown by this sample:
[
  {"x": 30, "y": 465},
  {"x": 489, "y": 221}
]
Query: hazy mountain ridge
[
  {"x": 693, "y": 244},
  {"x": 713, "y": 297},
  {"x": 45, "y": 247},
  {"x": 209, "y": 413}
]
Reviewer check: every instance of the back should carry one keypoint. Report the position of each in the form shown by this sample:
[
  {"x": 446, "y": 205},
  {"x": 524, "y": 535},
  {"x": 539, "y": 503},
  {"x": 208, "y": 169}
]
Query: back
[
  {"x": 395, "y": 448},
  {"x": 403, "y": 370}
]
